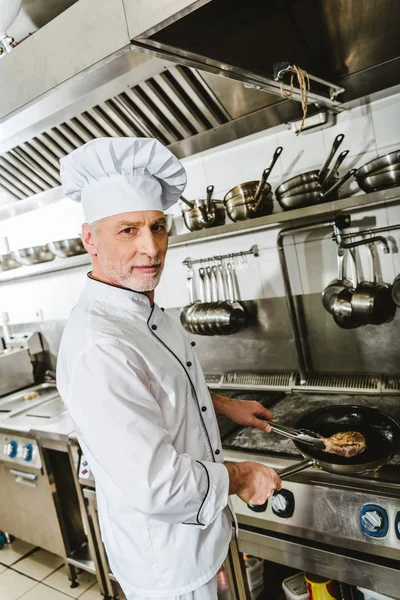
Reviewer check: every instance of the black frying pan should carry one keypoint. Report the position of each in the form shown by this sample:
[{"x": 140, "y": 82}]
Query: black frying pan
[{"x": 381, "y": 432}]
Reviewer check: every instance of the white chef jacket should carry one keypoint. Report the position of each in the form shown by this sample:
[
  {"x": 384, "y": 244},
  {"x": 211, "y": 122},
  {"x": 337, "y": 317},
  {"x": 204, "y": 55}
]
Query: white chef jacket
[{"x": 145, "y": 421}]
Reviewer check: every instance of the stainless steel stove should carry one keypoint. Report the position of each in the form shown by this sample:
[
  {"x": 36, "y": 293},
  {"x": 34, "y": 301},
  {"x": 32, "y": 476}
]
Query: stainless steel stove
[{"x": 347, "y": 528}]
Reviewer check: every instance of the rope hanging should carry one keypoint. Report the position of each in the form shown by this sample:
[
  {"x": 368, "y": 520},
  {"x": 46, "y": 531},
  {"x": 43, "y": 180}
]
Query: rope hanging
[{"x": 304, "y": 86}]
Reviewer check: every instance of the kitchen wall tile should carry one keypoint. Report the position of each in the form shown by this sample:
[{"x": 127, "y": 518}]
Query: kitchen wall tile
[
  {"x": 39, "y": 564},
  {"x": 300, "y": 153},
  {"x": 255, "y": 156},
  {"x": 357, "y": 126},
  {"x": 248, "y": 279},
  {"x": 196, "y": 178},
  {"x": 223, "y": 170},
  {"x": 2, "y": 569},
  {"x": 15, "y": 551},
  {"x": 13, "y": 585},
  {"x": 42, "y": 592},
  {"x": 176, "y": 290},
  {"x": 386, "y": 120},
  {"x": 271, "y": 274},
  {"x": 59, "y": 581}
]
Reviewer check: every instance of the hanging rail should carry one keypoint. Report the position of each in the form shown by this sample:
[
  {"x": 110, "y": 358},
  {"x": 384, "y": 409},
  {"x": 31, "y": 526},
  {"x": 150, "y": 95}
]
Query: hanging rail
[{"x": 191, "y": 261}]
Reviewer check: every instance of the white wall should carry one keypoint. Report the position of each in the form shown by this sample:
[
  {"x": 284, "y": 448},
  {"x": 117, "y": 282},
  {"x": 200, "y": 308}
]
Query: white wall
[{"x": 370, "y": 131}]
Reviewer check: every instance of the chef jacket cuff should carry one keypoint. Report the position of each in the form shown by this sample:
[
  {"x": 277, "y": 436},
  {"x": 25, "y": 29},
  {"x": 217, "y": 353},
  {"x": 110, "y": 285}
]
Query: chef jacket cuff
[{"x": 216, "y": 494}]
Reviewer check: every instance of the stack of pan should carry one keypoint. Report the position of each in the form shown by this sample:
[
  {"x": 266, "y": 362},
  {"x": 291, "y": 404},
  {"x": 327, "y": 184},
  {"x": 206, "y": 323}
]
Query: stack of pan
[
  {"x": 316, "y": 186},
  {"x": 218, "y": 311},
  {"x": 380, "y": 173}
]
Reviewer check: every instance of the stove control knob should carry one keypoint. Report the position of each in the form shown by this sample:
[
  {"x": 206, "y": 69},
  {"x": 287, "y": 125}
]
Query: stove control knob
[
  {"x": 374, "y": 520},
  {"x": 279, "y": 503},
  {"x": 283, "y": 504},
  {"x": 10, "y": 449},
  {"x": 27, "y": 452}
]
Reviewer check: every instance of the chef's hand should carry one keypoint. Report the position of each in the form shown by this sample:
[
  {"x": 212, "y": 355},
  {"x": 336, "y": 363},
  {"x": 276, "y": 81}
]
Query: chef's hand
[
  {"x": 253, "y": 482},
  {"x": 249, "y": 413}
]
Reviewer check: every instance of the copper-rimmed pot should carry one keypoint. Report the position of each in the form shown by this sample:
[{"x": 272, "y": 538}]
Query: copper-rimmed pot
[{"x": 254, "y": 198}]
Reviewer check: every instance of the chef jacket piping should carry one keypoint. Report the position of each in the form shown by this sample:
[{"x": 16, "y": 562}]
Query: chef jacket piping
[{"x": 188, "y": 376}]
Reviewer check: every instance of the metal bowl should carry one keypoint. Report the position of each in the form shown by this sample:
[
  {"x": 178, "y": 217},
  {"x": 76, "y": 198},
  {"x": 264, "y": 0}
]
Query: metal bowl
[
  {"x": 33, "y": 255},
  {"x": 67, "y": 248},
  {"x": 8, "y": 262}
]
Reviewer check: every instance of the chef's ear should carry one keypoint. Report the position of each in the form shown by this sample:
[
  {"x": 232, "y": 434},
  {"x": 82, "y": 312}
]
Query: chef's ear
[{"x": 89, "y": 238}]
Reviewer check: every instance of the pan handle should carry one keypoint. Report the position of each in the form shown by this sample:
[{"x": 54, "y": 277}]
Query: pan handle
[
  {"x": 336, "y": 166},
  {"x": 284, "y": 474},
  {"x": 264, "y": 177},
  {"x": 189, "y": 204},
  {"x": 339, "y": 182},
  {"x": 336, "y": 143}
]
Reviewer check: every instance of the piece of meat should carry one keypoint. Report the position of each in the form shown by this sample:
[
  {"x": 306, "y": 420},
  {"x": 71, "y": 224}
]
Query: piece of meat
[{"x": 345, "y": 443}]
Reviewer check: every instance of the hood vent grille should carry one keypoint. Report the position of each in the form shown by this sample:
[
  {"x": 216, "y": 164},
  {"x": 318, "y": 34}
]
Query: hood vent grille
[{"x": 171, "y": 106}]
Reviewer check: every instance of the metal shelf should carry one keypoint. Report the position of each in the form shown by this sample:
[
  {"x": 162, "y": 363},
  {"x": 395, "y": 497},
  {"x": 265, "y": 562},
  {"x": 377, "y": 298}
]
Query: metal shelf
[
  {"x": 311, "y": 213},
  {"x": 314, "y": 213}
]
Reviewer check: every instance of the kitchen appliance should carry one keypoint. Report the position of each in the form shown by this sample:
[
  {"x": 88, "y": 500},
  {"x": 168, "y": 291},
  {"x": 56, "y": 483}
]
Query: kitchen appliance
[
  {"x": 344, "y": 527},
  {"x": 18, "y": 358}
]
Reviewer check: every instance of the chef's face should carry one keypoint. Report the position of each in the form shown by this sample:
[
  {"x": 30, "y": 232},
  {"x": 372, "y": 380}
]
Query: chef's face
[{"x": 128, "y": 250}]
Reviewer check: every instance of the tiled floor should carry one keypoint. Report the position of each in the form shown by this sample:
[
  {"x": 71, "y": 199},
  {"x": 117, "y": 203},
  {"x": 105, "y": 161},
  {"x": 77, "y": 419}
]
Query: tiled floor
[{"x": 29, "y": 573}]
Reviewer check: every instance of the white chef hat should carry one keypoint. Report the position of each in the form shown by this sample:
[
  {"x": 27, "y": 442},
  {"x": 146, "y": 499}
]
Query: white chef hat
[{"x": 116, "y": 175}]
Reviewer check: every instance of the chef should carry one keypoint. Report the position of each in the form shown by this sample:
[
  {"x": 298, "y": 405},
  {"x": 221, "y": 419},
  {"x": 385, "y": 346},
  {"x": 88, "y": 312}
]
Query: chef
[{"x": 135, "y": 390}]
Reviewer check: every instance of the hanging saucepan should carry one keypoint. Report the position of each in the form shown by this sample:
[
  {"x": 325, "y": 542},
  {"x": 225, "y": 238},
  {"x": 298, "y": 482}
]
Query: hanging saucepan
[
  {"x": 204, "y": 213},
  {"x": 336, "y": 286},
  {"x": 372, "y": 301},
  {"x": 381, "y": 432},
  {"x": 377, "y": 164},
  {"x": 381, "y": 180},
  {"x": 341, "y": 307},
  {"x": 290, "y": 201},
  {"x": 253, "y": 198},
  {"x": 396, "y": 291},
  {"x": 315, "y": 178}
]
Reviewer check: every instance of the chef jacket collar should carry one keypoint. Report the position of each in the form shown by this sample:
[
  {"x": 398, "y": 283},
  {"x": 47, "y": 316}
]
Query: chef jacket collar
[{"x": 116, "y": 295}]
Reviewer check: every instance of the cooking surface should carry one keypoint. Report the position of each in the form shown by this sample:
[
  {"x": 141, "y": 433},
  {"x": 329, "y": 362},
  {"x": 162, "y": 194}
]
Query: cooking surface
[
  {"x": 289, "y": 409},
  {"x": 21, "y": 400}
]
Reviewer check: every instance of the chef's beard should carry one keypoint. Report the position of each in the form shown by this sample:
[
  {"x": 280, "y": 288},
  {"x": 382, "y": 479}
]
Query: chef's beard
[{"x": 134, "y": 280}]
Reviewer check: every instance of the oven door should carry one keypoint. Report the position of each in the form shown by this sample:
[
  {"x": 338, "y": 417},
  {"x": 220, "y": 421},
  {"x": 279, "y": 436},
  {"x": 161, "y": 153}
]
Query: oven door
[{"x": 27, "y": 509}]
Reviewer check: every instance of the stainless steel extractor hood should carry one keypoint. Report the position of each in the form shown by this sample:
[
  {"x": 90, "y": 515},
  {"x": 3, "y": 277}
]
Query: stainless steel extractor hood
[{"x": 175, "y": 70}]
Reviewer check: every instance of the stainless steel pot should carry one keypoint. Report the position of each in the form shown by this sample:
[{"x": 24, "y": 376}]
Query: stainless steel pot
[
  {"x": 290, "y": 201},
  {"x": 204, "y": 213},
  {"x": 341, "y": 308},
  {"x": 67, "y": 248},
  {"x": 377, "y": 164},
  {"x": 8, "y": 262},
  {"x": 380, "y": 180},
  {"x": 372, "y": 301},
  {"x": 336, "y": 286},
  {"x": 33, "y": 255},
  {"x": 254, "y": 198}
]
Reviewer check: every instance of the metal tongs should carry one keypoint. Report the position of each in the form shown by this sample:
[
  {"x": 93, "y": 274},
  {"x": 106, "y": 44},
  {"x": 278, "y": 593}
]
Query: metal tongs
[{"x": 298, "y": 435}]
